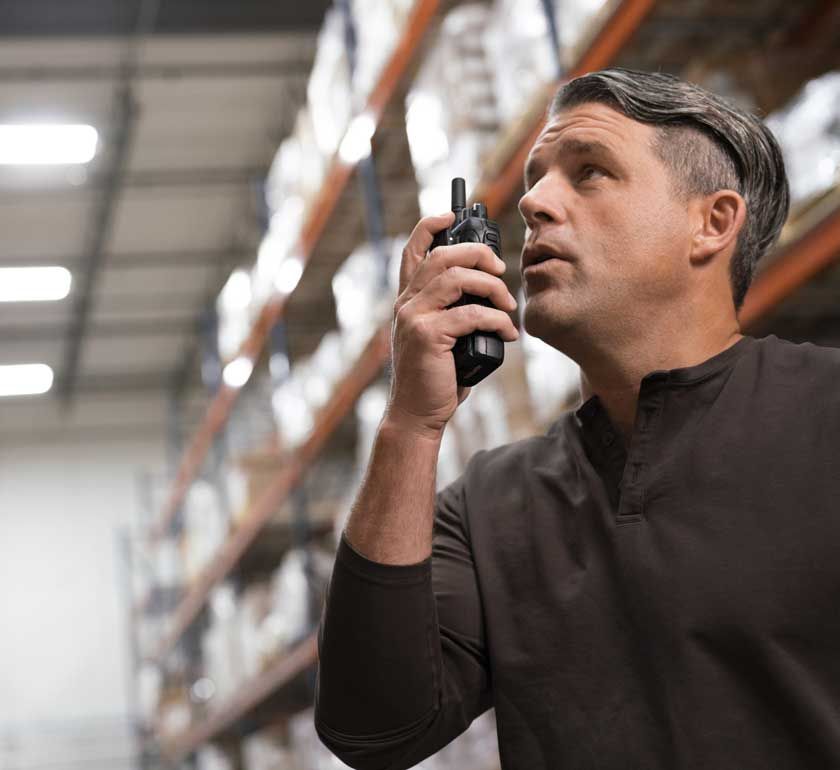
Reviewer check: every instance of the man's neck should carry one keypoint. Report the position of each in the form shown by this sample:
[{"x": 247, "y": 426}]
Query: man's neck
[{"x": 616, "y": 379}]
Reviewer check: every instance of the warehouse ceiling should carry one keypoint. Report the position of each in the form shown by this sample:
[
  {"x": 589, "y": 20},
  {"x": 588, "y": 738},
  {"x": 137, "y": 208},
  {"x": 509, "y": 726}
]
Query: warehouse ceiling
[
  {"x": 191, "y": 100},
  {"x": 81, "y": 18}
]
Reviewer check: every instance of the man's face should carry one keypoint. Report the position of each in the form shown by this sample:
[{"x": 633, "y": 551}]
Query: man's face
[{"x": 597, "y": 192}]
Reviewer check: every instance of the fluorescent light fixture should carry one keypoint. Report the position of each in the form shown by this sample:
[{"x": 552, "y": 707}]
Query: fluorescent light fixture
[
  {"x": 46, "y": 144},
  {"x": 237, "y": 372},
  {"x": 34, "y": 284},
  {"x": 25, "y": 379},
  {"x": 356, "y": 143},
  {"x": 288, "y": 275}
]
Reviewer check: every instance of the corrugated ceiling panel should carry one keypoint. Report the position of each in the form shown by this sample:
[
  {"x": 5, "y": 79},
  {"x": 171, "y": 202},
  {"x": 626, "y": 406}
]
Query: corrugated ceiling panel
[
  {"x": 50, "y": 228},
  {"x": 151, "y": 219},
  {"x": 190, "y": 278},
  {"x": 158, "y": 352}
]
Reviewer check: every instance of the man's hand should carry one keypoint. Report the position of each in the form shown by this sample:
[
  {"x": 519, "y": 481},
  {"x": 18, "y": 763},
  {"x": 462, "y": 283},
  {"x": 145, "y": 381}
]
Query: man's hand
[{"x": 424, "y": 393}]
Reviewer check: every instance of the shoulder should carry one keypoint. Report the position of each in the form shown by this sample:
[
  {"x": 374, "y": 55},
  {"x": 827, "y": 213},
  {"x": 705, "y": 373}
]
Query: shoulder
[
  {"x": 802, "y": 364},
  {"x": 807, "y": 354},
  {"x": 791, "y": 387}
]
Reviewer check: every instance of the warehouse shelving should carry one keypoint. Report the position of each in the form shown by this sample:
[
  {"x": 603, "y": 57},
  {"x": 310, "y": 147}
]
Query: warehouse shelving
[
  {"x": 605, "y": 45},
  {"x": 336, "y": 180},
  {"x": 246, "y": 701},
  {"x": 493, "y": 191},
  {"x": 615, "y": 31},
  {"x": 345, "y": 395},
  {"x": 811, "y": 251}
]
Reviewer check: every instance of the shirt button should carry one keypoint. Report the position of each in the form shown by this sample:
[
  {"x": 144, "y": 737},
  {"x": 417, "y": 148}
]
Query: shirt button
[{"x": 609, "y": 438}]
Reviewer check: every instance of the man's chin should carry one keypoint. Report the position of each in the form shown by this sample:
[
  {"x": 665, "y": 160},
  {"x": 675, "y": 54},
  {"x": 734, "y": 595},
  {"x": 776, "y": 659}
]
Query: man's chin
[{"x": 542, "y": 319}]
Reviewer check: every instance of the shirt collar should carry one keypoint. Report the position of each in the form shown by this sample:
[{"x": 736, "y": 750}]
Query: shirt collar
[{"x": 593, "y": 417}]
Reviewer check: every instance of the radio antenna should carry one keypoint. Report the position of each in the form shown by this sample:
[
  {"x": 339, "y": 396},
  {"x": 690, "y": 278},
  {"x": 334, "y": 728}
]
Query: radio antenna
[{"x": 459, "y": 194}]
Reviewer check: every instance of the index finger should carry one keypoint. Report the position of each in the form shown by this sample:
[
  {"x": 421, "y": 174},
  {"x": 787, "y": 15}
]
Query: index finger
[{"x": 418, "y": 244}]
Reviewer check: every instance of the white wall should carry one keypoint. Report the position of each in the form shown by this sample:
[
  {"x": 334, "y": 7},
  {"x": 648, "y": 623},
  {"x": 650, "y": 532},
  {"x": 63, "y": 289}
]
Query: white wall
[{"x": 64, "y": 656}]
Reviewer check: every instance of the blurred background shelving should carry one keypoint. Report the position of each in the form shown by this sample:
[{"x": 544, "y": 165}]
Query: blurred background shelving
[{"x": 221, "y": 363}]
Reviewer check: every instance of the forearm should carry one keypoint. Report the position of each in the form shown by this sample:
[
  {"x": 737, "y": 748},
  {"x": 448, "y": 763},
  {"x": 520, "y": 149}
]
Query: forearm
[
  {"x": 392, "y": 518},
  {"x": 394, "y": 686},
  {"x": 377, "y": 670}
]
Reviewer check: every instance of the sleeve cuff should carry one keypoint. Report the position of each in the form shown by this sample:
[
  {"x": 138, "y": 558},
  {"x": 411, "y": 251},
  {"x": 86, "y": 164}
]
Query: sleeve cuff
[{"x": 378, "y": 572}]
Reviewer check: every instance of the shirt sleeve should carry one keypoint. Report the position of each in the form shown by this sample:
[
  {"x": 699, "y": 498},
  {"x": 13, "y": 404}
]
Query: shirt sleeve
[{"x": 402, "y": 658}]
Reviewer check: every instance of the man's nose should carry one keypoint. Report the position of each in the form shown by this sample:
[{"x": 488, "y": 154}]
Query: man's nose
[{"x": 542, "y": 204}]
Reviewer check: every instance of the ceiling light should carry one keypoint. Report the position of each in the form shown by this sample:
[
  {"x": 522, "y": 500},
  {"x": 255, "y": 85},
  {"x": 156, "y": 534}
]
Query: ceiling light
[
  {"x": 46, "y": 144},
  {"x": 25, "y": 379},
  {"x": 33, "y": 284},
  {"x": 237, "y": 372}
]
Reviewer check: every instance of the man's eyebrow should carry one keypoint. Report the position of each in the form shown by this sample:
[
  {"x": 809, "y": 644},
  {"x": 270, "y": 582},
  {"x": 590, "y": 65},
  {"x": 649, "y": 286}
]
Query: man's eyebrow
[
  {"x": 582, "y": 147},
  {"x": 571, "y": 147}
]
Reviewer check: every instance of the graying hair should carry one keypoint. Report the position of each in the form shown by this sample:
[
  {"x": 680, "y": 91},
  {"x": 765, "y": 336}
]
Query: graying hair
[{"x": 708, "y": 143}]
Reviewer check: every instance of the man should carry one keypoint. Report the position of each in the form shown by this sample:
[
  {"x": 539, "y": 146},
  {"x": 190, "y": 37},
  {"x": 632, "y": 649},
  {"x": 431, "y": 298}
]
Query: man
[{"x": 654, "y": 583}]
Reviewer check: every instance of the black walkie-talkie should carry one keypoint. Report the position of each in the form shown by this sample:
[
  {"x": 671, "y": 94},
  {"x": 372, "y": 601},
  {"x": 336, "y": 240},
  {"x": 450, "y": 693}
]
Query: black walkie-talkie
[{"x": 479, "y": 353}]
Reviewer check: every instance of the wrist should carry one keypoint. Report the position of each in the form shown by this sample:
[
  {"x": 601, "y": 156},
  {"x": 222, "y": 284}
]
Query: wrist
[{"x": 398, "y": 424}]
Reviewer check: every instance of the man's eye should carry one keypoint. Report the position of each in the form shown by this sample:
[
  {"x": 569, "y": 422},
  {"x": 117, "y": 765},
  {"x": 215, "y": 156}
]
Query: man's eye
[{"x": 588, "y": 171}]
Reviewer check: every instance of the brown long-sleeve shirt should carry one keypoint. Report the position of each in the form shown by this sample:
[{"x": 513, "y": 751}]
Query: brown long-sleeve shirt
[{"x": 674, "y": 607}]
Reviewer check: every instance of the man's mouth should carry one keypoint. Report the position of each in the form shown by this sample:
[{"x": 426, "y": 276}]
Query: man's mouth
[
  {"x": 538, "y": 253},
  {"x": 544, "y": 265}
]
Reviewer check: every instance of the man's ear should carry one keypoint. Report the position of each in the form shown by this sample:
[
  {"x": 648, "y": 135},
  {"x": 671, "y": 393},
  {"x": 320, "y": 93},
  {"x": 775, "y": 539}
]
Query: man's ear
[{"x": 720, "y": 217}]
